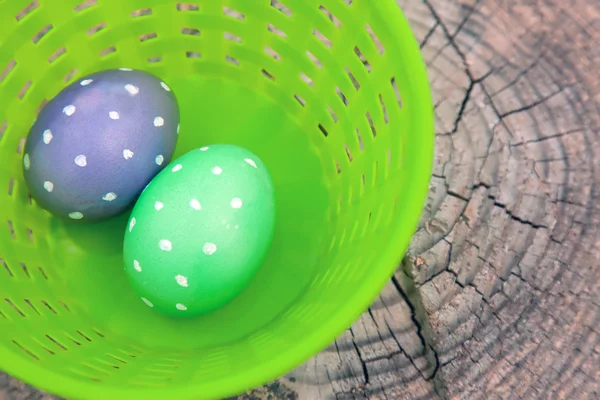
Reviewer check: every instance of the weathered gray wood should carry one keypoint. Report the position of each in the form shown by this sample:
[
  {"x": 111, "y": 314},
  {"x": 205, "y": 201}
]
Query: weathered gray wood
[
  {"x": 506, "y": 259},
  {"x": 499, "y": 297}
]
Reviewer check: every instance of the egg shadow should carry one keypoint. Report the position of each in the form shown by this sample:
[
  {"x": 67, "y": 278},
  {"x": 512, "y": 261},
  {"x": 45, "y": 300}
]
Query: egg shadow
[{"x": 104, "y": 238}]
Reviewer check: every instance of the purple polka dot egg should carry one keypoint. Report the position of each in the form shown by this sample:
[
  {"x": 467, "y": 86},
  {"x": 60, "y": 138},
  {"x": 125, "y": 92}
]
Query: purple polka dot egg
[{"x": 99, "y": 142}]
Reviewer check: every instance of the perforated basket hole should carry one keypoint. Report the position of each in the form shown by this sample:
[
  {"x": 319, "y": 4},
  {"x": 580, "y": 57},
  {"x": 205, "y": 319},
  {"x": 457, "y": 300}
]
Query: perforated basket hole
[
  {"x": 70, "y": 75},
  {"x": 27, "y": 10},
  {"x": 56, "y": 342},
  {"x": 26, "y": 351},
  {"x": 281, "y": 7},
  {"x": 6, "y": 268},
  {"x": 57, "y": 54},
  {"x": 193, "y": 54},
  {"x": 272, "y": 28},
  {"x": 306, "y": 79},
  {"x": 231, "y": 37},
  {"x": 300, "y": 100},
  {"x": 32, "y": 306},
  {"x": 375, "y": 39},
  {"x": 314, "y": 59},
  {"x": 95, "y": 29},
  {"x": 39, "y": 108},
  {"x": 386, "y": 117},
  {"x": 155, "y": 59},
  {"x": 187, "y": 7},
  {"x": 24, "y": 90},
  {"x": 232, "y": 60},
  {"x": 334, "y": 116},
  {"x": 148, "y": 36},
  {"x": 348, "y": 153},
  {"x": 25, "y": 270},
  {"x": 117, "y": 359},
  {"x": 233, "y": 13},
  {"x": 7, "y": 70},
  {"x": 84, "y": 336},
  {"x": 85, "y": 5},
  {"x": 322, "y": 38},
  {"x": 323, "y": 130},
  {"x": 371, "y": 124},
  {"x": 49, "y": 307},
  {"x": 21, "y": 144},
  {"x": 190, "y": 31},
  {"x": 342, "y": 96},
  {"x": 396, "y": 92},
  {"x": 108, "y": 50},
  {"x": 11, "y": 230},
  {"x": 14, "y": 307},
  {"x": 141, "y": 13},
  {"x": 275, "y": 55},
  {"x": 353, "y": 79},
  {"x": 11, "y": 185},
  {"x": 267, "y": 74},
  {"x": 330, "y": 16},
  {"x": 3, "y": 127},
  {"x": 43, "y": 273},
  {"x": 363, "y": 59},
  {"x": 30, "y": 235},
  {"x": 360, "y": 139},
  {"x": 38, "y": 36}
]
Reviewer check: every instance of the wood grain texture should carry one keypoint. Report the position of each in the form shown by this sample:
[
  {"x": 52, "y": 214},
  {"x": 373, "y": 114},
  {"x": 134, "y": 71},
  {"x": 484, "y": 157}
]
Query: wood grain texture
[{"x": 499, "y": 296}]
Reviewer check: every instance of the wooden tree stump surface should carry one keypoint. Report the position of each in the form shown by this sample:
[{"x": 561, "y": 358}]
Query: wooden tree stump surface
[{"x": 499, "y": 297}]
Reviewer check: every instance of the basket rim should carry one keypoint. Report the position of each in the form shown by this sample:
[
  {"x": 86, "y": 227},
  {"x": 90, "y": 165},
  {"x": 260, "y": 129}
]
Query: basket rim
[{"x": 397, "y": 27}]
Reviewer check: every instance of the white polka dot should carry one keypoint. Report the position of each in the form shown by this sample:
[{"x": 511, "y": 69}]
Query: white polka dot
[
  {"x": 181, "y": 307},
  {"x": 164, "y": 85},
  {"x": 113, "y": 115},
  {"x": 109, "y": 196},
  {"x": 236, "y": 227},
  {"x": 178, "y": 126},
  {"x": 182, "y": 280},
  {"x": 209, "y": 248},
  {"x": 228, "y": 226},
  {"x": 133, "y": 90},
  {"x": 217, "y": 170},
  {"x": 148, "y": 303},
  {"x": 159, "y": 159},
  {"x": 47, "y": 136},
  {"x": 177, "y": 168},
  {"x": 204, "y": 148},
  {"x": 75, "y": 215},
  {"x": 81, "y": 160},
  {"x": 137, "y": 266},
  {"x": 165, "y": 245},
  {"x": 69, "y": 110},
  {"x": 125, "y": 69},
  {"x": 159, "y": 121},
  {"x": 86, "y": 82},
  {"x": 250, "y": 161},
  {"x": 26, "y": 161},
  {"x": 127, "y": 154},
  {"x": 158, "y": 206},
  {"x": 236, "y": 203},
  {"x": 131, "y": 224},
  {"x": 49, "y": 186},
  {"x": 195, "y": 204}
]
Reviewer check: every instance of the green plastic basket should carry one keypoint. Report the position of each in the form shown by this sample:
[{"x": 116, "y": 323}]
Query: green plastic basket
[{"x": 331, "y": 94}]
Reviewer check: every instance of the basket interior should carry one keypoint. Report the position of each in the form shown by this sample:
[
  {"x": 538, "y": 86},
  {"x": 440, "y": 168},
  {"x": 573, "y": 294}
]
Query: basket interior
[{"x": 316, "y": 89}]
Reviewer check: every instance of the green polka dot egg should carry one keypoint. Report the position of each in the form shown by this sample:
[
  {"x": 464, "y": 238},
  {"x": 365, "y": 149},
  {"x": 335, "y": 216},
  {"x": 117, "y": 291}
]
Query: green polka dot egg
[{"x": 200, "y": 231}]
